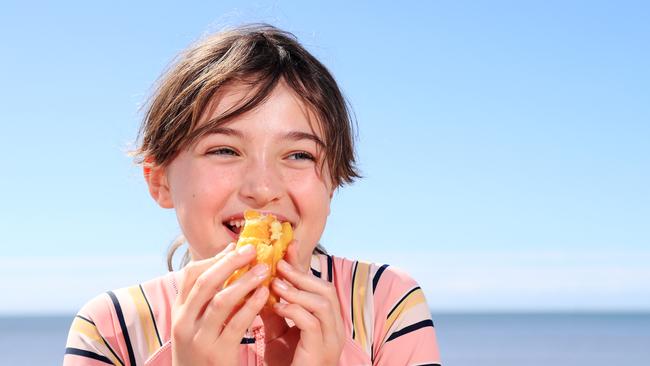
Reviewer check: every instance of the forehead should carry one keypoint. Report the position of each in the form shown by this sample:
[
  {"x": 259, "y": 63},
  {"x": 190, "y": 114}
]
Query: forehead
[{"x": 281, "y": 105}]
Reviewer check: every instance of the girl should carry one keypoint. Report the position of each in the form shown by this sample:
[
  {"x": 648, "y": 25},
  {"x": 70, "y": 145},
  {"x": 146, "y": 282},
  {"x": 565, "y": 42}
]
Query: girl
[{"x": 248, "y": 119}]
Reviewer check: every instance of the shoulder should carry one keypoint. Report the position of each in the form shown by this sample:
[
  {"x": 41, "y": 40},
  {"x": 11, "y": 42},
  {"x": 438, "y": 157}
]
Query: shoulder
[
  {"x": 126, "y": 324},
  {"x": 120, "y": 305},
  {"x": 382, "y": 281}
]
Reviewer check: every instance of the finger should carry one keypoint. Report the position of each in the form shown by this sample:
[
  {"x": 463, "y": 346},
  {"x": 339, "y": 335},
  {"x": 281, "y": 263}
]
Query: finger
[
  {"x": 292, "y": 256},
  {"x": 194, "y": 269},
  {"x": 233, "y": 296},
  {"x": 310, "y": 328},
  {"x": 234, "y": 331},
  {"x": 212, "y": 279},
  {"x": 318, "y": 305},
  {"x": 223, "y": 304},
  {"x": 311, "y": 284},
  {"x": 305, "y": 281}
]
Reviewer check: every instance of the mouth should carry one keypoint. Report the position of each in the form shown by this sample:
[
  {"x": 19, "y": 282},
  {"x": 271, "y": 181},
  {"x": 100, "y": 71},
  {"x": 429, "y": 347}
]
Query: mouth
[{"x": 235, "y": 224}]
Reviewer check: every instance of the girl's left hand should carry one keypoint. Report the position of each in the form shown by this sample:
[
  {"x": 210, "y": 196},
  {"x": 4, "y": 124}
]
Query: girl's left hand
[{"x": 312, "y": 304}]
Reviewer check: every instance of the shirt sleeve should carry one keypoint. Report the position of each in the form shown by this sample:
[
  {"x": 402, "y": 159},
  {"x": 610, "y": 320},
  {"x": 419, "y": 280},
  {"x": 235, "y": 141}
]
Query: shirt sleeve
[
  {"x": 92, "y": 339},
  {"x": 99, "y": 335},
  {"x": 404, "y": 332}
]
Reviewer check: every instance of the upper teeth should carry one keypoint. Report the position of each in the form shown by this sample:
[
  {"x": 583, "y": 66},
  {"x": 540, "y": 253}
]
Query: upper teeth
[{"x": 237, "y": 223}]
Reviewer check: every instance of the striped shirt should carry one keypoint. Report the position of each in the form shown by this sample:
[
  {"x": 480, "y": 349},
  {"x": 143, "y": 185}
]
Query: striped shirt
[{"x": 385, "y": 315}]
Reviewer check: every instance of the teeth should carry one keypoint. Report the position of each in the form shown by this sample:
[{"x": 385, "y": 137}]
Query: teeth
[{"x": 238, "y": 223}]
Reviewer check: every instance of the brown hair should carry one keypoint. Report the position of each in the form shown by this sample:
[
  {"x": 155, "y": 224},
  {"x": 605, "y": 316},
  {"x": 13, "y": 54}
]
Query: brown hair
[{"x": 256, "y": 55}]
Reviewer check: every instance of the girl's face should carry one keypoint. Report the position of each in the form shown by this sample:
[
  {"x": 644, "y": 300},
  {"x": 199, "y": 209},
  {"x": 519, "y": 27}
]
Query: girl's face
[{"x": 267, "y": 159}]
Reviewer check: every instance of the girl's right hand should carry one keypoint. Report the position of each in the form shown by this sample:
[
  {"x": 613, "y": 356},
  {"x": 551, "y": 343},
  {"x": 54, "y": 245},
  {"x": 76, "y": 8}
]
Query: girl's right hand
[{"x": 208, "y": 322}]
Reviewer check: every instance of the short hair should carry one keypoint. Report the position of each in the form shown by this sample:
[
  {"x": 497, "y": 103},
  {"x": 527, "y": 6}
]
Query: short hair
[{"x": 258, "y": 55}]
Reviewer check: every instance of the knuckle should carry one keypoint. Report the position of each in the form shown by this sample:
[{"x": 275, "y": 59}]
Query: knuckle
[
  {"x": 192, "y": 270},
  {"x": 217, "y": 303},
  {"x": 200, "y": 282},
  {"x": 330, "y": 289},
  {"x": 179, "y": 333},
  {"x": 212, "y": 358},
  {"x": 312, "y": 324},
  {"x": 290, "y": 308},
  {"x": 178, "y": 316},
  {"x": 234, "y": 325},
  {"x": 322, "y": 305}
]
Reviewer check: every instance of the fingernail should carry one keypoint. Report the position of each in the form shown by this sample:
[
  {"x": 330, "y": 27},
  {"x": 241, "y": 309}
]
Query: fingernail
[
  {"x": 279, "y": 305},
  {"x": 281, "y": 284},
  {"x": 284, "y": 265},
  {"x": 261, "y": 269},
  {"x": 246, "y": 249},
  {"x": 228, "y": 248}
]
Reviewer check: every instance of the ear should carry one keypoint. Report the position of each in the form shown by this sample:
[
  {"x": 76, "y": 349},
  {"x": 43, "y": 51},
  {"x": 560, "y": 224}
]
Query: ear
[
  {"x": 158, "y": 184},
  {"x": 329, "y": 204}
]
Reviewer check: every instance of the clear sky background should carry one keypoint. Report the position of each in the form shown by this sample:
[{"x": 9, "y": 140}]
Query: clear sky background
[{"x": 505, "y": 145}]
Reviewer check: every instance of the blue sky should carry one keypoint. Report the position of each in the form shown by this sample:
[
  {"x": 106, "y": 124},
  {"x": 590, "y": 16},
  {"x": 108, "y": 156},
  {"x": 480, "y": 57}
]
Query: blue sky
[{"x": 505, "y": 145}]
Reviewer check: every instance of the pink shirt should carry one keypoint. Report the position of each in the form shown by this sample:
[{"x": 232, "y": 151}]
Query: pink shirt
[{"x": 385, "y": 314}]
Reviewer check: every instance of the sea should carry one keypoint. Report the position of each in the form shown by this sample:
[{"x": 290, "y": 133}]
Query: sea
[{"x": 464, "y": 339}]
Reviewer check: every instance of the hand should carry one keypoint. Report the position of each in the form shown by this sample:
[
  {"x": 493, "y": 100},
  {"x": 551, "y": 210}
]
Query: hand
[
  {"x": 208, "y": 322},
  {"x": 312, "y": 304}
]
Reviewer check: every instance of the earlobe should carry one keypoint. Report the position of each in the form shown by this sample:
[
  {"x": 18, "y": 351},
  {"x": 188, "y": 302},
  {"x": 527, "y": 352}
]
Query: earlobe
[
  {"x": 329, "y": 204},
  {"x": 158, "y": 185},
  {"x": 332, "y": 192}
]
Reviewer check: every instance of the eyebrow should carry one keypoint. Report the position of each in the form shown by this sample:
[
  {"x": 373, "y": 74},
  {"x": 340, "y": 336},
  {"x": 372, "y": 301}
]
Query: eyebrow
[{"x": 293, "y": 135}]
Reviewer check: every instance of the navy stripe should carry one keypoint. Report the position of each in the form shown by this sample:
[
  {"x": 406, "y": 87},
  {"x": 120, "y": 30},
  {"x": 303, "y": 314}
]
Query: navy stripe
[
  {"x": 329, "y": 268},
  {"x": 377, "y": 275},
  {"x": 315, "y": 273},
  {"x": 87, "y": 354},
  {"x": 104, "y": 340},
  {"x": 401, "y": 300},
  {"x": 247, "y": 340},
  {"x": 151, "y": 313},
  {"x": 410, "y": 328},
  {"x": 427, "y": 364},
  {"x": 86, "y": 319},
  {"x": 354, "y": 275},
  {"x": 125, "y": 331}
]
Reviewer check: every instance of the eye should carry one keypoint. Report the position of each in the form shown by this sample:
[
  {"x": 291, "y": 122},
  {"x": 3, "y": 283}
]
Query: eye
[
  {"x": 302, "y": 155},
  {"x": 223, "y": 151}
]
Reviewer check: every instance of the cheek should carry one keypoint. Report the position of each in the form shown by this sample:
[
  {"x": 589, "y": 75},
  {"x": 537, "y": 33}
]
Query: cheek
[
  {"x": 311, "y": 196},
  {"x": 201, "y": 193},
  {"x": 310, "y": 193}
]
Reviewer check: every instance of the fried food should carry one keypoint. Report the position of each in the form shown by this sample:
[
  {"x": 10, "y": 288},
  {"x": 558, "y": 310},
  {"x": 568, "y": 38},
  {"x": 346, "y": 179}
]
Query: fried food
[{"x": 270, "y": 238}]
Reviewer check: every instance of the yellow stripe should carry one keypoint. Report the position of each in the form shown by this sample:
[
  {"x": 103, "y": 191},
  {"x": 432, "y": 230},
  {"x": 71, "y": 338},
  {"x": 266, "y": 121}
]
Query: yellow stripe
[
  {"x": 145, "y": 318},
  {"x": 90, "y": 330},
  {"x": 359, "y": 286},
  {"x": 414, "y": 298}
]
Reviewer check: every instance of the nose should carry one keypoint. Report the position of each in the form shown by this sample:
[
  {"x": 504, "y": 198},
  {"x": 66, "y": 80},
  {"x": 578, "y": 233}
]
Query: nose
[{"x": 261, "y": 183}]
